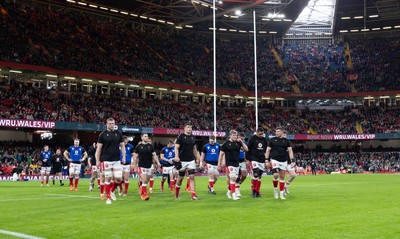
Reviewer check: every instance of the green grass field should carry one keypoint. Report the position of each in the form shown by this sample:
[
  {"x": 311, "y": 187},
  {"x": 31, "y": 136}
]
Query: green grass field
[{"x": 323, "y": 206}]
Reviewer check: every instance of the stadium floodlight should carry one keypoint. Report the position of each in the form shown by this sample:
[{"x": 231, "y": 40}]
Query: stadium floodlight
[
  {"x": 92, "y": 5},
  {"x": 279, "y": 98},
  {"x": 384, "y": 97},
  {"x": 238, "y": 12},
  {"x": 387, "y": 28},
  {"x": 69, "y": 77},
  {"x": 125, "y": 13},
  {"x": 136, "y": 86},
  {"x": 272, "y": 32},
  {"x": 149, "y": 87},
  {"x": 358, "y": 17},
  {"x": 200, "y": 93},
  {"x": 345, "y": 18},
  {"x": 173, "y": 90},
  {"x": 275, "y": 15},
  {"x": 82, "y": 3},
  {"x": 396, "y": 26},
  {"x": 376, "y": 29},
  {"x": 52, "y": 76},
  {"x": 104, "y": 8},
  {"x": 373, "y": 16},
  {"x": 87, "y": 80},
  {"x": 163, "y": 89},
  {"x": 119, "y": 83},
  {"x": 15, "y": 71},
  {"x": 103, "y": 82},
  {"x": 365, "y": 30}
]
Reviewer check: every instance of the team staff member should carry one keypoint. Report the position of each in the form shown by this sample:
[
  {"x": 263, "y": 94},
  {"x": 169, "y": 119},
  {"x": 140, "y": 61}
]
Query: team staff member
[
  {"x": 93, "y": 167},
  {"x": 75, "y": 155},
  {"x": 45, "y": 157},
  {"x": 57, "y": 162},
  {"x": 143, "y": 158},
  {"x": 257, "y": 145},
  {"x": 229, "y": 157},
  {"x": 108, "y": 152},
  {"x": 277, "y": 150},
  {"x": 210, "y": 154},
  {"x": 186, "y": 156}
]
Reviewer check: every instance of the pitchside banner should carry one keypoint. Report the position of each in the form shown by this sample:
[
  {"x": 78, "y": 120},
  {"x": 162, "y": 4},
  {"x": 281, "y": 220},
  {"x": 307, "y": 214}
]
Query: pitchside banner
[
  {"x": 194, "y": 132},
  {"x": 28, "y": 177},
  {"x": 20, "y": 123},
  {"x": 345, "y": 136}
]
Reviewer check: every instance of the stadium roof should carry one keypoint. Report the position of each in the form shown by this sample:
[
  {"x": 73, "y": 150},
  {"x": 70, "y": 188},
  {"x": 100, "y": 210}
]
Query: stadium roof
[{"x": 272, "y": 15}]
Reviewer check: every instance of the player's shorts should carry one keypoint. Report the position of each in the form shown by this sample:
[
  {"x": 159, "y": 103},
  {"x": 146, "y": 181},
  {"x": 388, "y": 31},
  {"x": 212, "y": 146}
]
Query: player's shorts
[
  {"x": 56, "y": 169},
  {"x": 188, "y": 165},
  {"x": 290, "y": 168},
  {"x": 95, "y": 169},
  {"x": 45, "y": 170},
  {"x": 146, "y": 171},
  {"x": 232, "y": 171},
  {"x": 126, "y": 168},
  {"x": 112, "y": 166},
  {"x": 260, "y": 166},
  {"x": 243, "y": 166},
  {"x": 168, "y": 169},
  {"x": 74, "y": 168},
  {"x": 212, "y": 168},
  {"x": 280, "y": 165},
  {"x": 101, "y": 168}
]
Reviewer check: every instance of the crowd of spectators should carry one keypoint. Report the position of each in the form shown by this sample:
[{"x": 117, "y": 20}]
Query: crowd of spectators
[
  {"x": 22, "y": 101},
  {"x": 351, "y": 162},
  {"x": 77, "y": 41}
]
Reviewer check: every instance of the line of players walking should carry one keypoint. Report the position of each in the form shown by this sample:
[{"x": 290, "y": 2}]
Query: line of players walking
[{"x": 113, "y": 158}]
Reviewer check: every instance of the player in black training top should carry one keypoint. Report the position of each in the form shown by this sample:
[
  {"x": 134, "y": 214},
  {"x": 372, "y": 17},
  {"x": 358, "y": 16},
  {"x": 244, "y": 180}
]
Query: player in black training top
[
  {"x": 229, "y": 157},
  {"x": 57, "y": 162},
  {"x": 257, "y": 145},
  {"x": 188, "y": 157},
  {"x": 108, "y": 152},
  {"x": 278, "y": 148}
]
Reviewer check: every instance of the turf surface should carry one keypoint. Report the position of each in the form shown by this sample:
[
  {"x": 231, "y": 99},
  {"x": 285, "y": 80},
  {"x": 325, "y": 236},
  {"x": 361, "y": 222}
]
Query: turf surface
[{"x": 323, "y": 206}]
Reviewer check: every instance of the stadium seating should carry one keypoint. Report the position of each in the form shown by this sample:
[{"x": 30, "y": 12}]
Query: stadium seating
[{"x": 68, "y": 40}]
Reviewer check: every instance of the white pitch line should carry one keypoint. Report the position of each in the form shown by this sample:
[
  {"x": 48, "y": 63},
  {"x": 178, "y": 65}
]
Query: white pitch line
[
  {"x": 339, "y": 184},
  {"x": 20, "y": 235},
  {"x": 22, "y": 199},
  {"x": 68, "y": 195}
]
